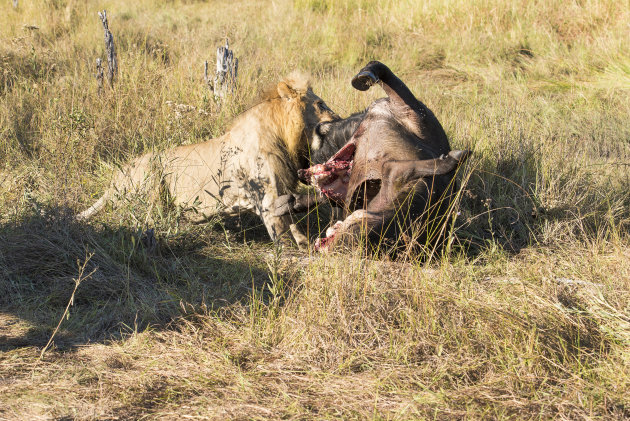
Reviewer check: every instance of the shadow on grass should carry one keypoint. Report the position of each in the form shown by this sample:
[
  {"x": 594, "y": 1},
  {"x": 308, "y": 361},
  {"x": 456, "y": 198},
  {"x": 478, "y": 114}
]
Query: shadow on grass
[
  {"x": 509, "y": 203},
  {"x": 137, "y": 281},
  {"x": 130, "y": 281}
]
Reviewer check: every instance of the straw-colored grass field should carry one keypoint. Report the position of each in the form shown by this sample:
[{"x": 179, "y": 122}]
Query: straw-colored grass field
[{"x": 526, "y": 315}]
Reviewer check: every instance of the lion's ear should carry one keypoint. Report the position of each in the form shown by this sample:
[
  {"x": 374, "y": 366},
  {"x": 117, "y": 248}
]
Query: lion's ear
[
  {"x": 285, "y": 91},
  {"x": 294, "y": 85}
]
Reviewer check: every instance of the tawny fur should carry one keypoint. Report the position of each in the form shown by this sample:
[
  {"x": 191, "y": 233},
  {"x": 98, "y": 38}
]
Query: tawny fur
[{"x": 246, "y": 169}]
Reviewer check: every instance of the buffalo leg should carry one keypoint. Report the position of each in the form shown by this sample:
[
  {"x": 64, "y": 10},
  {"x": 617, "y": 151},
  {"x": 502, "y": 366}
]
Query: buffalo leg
[
  {"x": 425, "y": 167},
  {"x": 398, "y": 93},
  {"x": 413, "y": 114},
  {"x": 349, "y": 231},
  {"x": 400, "y": 173}
]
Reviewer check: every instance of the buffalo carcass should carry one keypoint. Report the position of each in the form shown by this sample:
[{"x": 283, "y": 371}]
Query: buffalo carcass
[{"x": 393, "y": 174}]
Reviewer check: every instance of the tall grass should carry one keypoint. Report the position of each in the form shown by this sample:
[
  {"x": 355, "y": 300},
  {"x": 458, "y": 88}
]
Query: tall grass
[{"x": 525, "y": 316}]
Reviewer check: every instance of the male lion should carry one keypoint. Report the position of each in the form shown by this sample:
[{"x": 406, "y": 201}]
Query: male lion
[{"x": 246, "y": 169}]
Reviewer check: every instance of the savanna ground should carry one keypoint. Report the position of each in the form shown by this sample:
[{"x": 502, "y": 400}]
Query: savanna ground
[{"x": 525, "y": 315}]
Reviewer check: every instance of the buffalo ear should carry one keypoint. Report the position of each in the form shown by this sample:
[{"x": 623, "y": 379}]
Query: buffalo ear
[{"x": 323, "y": 128}]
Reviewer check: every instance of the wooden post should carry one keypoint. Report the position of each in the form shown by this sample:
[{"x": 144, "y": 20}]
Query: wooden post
[
  {"x": 99, "y": 75},
  {"x": 226, "y": 72},
  {"x": 112, "y": 62}
]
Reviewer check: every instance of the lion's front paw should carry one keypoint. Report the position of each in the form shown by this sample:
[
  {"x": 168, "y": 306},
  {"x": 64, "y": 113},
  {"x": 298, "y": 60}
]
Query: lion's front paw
[
  {"x": 284, "y": 205},
  {"x": 300, "y": 239}
]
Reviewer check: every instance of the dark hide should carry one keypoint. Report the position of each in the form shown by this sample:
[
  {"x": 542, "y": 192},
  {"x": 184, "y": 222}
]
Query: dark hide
[
  {"x": 332, "y": 135},
  {"x": 394, "y": 175}
]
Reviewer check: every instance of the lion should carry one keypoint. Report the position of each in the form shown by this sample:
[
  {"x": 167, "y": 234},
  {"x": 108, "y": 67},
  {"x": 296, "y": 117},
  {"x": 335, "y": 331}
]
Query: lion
[{"x": 245, "y": 170}]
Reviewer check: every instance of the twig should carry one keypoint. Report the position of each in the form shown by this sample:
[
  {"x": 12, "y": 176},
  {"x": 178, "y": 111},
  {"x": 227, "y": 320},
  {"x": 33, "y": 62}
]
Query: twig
[{"x": 77, "y": 282}]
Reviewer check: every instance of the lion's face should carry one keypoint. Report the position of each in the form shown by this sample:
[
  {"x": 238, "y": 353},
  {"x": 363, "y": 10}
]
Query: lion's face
[
  {"x": 299, "y": 112},
  {"x": 315, "y": 112}
]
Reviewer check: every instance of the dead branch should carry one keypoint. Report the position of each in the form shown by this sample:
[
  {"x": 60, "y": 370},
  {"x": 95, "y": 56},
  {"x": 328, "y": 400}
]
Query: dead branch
[
  {"x": 112, "y": 61},
  {"x": 77, "y": 281}
]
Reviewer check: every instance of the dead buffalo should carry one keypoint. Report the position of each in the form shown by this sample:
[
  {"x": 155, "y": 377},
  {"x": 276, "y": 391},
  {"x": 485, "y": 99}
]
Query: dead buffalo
[{"x": 393, "y": 174}]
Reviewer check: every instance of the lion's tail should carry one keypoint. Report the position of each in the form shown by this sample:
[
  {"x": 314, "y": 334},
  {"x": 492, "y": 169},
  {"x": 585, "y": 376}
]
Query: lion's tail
[{"x": 97, "y": 206}]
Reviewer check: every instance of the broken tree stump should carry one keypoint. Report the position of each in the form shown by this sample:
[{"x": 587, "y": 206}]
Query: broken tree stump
[
  {"x": 224, "y": 82},
  {"x": 112, "y": 61}
]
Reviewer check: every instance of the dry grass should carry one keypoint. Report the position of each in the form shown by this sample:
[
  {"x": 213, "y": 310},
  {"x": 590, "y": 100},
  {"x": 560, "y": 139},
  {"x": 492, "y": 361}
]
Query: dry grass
[{"x": 526, "y": 316}]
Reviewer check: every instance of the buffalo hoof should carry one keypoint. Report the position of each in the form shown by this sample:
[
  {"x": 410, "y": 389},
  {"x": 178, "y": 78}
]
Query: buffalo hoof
[
  {"x": 459, "y": 156},
  {"x": 364, "y": 80}
]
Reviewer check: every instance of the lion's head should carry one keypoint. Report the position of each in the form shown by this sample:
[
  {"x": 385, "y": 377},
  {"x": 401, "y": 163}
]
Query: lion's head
[{"x": 294, "y": 107}]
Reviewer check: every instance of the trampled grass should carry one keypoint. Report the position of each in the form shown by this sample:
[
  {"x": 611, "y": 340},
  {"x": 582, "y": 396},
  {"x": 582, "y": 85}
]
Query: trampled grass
[{"x": 525, "y": 316}]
